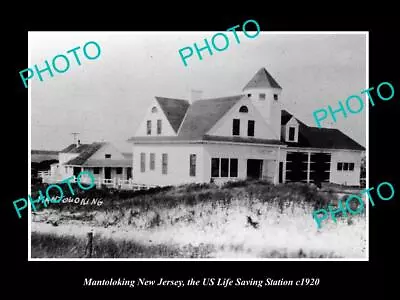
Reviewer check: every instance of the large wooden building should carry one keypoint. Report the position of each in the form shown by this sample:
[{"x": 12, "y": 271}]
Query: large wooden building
[{"x": 238, "y": 137}]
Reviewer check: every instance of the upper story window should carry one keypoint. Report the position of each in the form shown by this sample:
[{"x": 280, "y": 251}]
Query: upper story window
[
  {"x": 292, "y": 134},
  {"x": 148, "y": 127},
  {"x": 236, "y": 127},
  {"x": 243, "y": 109},
  {"x": 158, "y": 126},
  {"x": 250, "y": 128},
  {"x": 154, "y": 109},
  {"x": 107, "y": 155},
  {"x": 262, "y": 96},
  {"x": 275, "y": 96}
]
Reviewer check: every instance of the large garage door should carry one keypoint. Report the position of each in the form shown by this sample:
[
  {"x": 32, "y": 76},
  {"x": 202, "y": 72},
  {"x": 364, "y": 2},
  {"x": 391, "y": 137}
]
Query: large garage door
[
  {"x": 296, "y": 166},
  {"x": 320, "y": 167}
]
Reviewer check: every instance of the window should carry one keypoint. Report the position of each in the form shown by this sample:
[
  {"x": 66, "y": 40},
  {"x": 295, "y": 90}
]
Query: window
[
  {"x": 164, "y": 163},
  {"x": 119, "y": 170},
  {"x": 234, "y": 167},
  {"x": 129, "y": 173},
  {"x": 215, "y": 167},
  {"x": 248, "y": 95},
  {"x": 224, "y": 167},
  {"x": 96, "y": 170},
  {"x": 243, "y": 109},
  {"x": 158, "y": 126},
  {"x": 250, "y": 128},
  {"x": 344, "y": 166},
  {"x": 142, "y": 162},
  {"x": 236, "y": 127},
  {"x": 262, "y": 96},
  {"x": 152, "y": 161},
  {"x": 107, "y": 155},
  {"x": 292, "y": 131},
  {"x": 229, "y": 167},
  {"x": 192, "y": 165},
  {"x": 275, "y": 96},
  {"x": 149, "y": 127},
  {"x": 154, "y": 109}
]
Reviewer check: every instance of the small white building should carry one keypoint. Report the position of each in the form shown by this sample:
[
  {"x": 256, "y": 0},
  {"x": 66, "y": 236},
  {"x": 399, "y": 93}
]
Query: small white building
[
  {"x": 108, "y": 165},
  {"x": 239, "y": 137}
]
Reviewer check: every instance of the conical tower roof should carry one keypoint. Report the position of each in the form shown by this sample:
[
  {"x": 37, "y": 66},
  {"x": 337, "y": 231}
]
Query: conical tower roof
[{"x": 262, "y": 79}]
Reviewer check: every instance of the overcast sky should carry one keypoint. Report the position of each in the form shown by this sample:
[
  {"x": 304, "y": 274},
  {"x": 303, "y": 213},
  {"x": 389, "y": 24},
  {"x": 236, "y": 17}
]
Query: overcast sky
[{"x": 105, "y": 98}]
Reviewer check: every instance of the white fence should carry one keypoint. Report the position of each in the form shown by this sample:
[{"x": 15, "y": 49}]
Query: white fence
[{"x": 110, "y": 183}]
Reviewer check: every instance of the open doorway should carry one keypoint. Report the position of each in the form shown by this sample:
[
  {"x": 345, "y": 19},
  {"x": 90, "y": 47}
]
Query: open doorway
[
  {"x": 254, "y": 168},
  {"x": 107, "y": 173},
  {"x": 281, "y": 172}
]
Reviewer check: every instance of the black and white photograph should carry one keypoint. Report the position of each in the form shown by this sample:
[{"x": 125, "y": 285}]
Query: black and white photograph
[{"x": 161, "y": 146}]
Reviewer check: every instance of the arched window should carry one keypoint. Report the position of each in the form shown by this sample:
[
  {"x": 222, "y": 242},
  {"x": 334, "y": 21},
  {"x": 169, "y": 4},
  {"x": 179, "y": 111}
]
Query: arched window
[
  {"x": 243, "y": 109},
  {"x": 154, "y": 109}
]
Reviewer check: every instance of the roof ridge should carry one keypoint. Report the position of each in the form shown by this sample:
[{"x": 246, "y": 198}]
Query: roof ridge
[
  {"x": 172, "y": 98},
  {"x": 219, "y": 98}
]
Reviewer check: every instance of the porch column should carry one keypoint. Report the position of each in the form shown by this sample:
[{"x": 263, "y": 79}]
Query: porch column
[
  {"x": 278, "y": 158},
  {"x": 308, "y": 166}
]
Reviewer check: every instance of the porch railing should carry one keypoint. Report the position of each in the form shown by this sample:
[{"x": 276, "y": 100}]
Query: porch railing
[{"x": 122, "y": 184}]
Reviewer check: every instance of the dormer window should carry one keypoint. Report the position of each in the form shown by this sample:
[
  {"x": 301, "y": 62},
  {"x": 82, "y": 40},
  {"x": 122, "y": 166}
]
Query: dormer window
[
  {"x": 276, "y": 97},
  {"x": 107, "y": 155},
  {"x": 292, "y": 134},
  {"x": 154, "y": 109},
  {"x": 262, "y": 96},
  {"x": 243, "y": 109}
]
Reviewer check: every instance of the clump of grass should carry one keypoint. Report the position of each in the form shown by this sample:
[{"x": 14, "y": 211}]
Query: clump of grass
[{"x": 53, "y": 246}]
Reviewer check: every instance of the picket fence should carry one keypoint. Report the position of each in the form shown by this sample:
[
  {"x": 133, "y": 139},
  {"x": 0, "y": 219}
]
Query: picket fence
[{"x": 122, "y": 184}]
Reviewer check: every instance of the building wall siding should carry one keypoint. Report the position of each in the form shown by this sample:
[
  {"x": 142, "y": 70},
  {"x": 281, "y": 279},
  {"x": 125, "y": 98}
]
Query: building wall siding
[
  {"x": 178, "y": 164},
  {"x": 224, "y": 126},
  {"x": 346, "y": 177},
  {"x": 166, "y": 128},
  {"x": 242, "y": 152}
]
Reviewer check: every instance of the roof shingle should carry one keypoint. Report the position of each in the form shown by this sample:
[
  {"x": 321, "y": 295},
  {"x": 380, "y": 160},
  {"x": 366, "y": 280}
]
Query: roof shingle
[
  {"x": 327, "y": 138},
  {"x": 262, "y": 79},
  {"x": 85, "y": 153},
  {"x": 203, "y": 114},
  {"x": 174, "y": 110}
]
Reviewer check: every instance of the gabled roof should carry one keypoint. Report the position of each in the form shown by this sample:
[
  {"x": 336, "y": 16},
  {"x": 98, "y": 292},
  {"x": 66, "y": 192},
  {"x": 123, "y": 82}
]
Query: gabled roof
[
  {"x": 74, "y": 149},
  {"x": 203, "y": 114},
  {"x": 262, "y": 79},
  {"x": 315, "y": 137},
  {"x": 174, "y": 110},
  {"x": 86, "y": 151},
  {"x": 285, "y": 117},
  {"x": 200, "y": 117}
]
